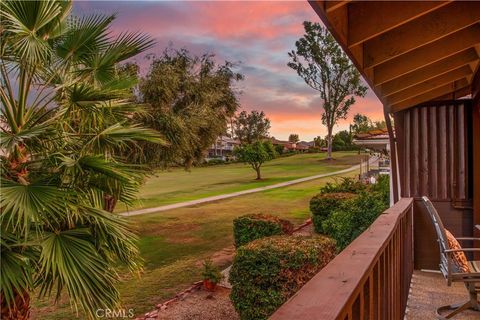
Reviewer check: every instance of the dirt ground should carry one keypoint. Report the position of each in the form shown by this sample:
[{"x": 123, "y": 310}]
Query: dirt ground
[{"x": 201, "y": 305}]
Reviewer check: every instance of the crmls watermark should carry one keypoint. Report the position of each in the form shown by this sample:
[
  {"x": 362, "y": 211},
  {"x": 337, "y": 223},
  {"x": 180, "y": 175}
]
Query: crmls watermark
[{"x": 121, "y": 313}]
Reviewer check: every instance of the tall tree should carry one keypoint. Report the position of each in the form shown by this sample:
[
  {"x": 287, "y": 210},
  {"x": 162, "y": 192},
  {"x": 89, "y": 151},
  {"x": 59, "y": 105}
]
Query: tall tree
[
  {"x": 381, "y": 125},
  {"x": 361, "y": 123},
  {"x": 251, "y": 127},
  {"x": 192, "y": 99},
  {"x": 293, "y": 138},
  {"x": 318, "y": 142},
  {"x": 343, "y": 139},
  {"x": 324, "y": 67},
  {"x": 67, "y": 123}
]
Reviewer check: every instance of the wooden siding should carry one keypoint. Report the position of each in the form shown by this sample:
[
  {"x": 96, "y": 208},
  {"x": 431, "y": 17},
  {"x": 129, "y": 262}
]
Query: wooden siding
[{"x": 434, "y": 143}]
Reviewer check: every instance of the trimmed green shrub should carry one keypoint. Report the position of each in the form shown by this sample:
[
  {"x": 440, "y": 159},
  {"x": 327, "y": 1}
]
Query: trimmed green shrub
[
  {"x": 353, "y": 217},
  {"x": 322, "y": 205},
  {"x": 383, "y": 188},
  {"x": 215, "y": 161},
  {"x": 268, "y": 271},
  {"x": 255, "y": 226},
  {"x": 345, "y": 185}
]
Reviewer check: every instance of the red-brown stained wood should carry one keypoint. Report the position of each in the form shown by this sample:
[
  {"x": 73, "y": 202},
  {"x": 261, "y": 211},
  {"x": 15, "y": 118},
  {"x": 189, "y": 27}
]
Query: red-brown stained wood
[
  {"x": 433, "y": 142},
  {"x": 435, "y": 159},
  {"x": 476, "y": 155}
]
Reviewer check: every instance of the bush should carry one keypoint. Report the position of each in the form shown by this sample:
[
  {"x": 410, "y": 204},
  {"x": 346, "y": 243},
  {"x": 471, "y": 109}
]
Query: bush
[
  {"x": 346, "y": 185},
  {"x": 215, "y": 161},
  {"x": 266, "y": 272},
  {"x": 383, "y": 188},
  {"x": 323, "y": 204},
  {"x": 345, "y": 148},
  {"x": 279, "y": 149},
  {"x": 353, "y": 217},
  {"x": 255, "y": 226},
  {"x": 211, "y": 272}
]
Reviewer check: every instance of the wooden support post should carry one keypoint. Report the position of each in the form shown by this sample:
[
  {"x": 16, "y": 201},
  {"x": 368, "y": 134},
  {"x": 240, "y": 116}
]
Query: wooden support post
[
  {"x": 476, "y": 155},
  {"x": 393, "y": 156}
]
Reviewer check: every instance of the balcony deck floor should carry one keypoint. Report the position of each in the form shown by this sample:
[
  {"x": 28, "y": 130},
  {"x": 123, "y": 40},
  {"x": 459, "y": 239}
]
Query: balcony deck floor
[{"x": 429, "y": 291}]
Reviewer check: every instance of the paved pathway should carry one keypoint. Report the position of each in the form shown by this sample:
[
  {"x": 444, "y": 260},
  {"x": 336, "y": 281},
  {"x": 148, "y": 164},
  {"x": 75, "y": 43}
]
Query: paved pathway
[{"x": 239, "y": 193}]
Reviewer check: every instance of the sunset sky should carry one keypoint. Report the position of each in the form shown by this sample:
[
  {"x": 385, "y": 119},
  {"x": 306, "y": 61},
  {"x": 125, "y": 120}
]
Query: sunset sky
[{"x": 256, "y": 34}]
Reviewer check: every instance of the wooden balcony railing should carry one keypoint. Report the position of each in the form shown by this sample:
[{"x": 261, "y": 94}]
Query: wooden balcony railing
[{"x": 370, "y": 279}]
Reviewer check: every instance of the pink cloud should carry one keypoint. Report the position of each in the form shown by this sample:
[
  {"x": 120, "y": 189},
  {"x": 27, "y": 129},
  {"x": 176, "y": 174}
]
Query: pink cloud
[{"x": 257, "y": 33}]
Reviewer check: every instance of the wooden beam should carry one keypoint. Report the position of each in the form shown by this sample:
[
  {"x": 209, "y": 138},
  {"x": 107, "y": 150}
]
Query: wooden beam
[
  {"x": 368, "y": 19},
  {"x": 430, "y": 95},
  {"x": 429, "y": 72},
  {"x": 431, "y": 84},
  {"x": 416, "y": 33},
  {"x": 427, "y": 54},
  {"x": 334, "y": 5},
  {"x": 339, "y": 20},
  {"x": 457, "y": 94}
]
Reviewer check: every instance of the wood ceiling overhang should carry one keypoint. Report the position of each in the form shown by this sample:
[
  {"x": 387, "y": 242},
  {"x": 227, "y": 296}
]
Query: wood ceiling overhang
[{"x": 409, "y": 52}]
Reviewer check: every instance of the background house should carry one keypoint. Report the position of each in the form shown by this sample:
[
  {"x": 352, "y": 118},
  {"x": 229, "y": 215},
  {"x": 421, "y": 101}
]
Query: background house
[{"x": 223, "y": 147}]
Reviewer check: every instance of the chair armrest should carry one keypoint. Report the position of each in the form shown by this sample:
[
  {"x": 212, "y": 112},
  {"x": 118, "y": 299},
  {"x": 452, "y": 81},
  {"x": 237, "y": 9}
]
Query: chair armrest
[
  {"x": 463, "y": 249},
  {"x": 468, "y": 239}
]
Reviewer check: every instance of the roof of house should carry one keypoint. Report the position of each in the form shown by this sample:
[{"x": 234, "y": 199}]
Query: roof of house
[
  {"x": 282, "y": 142},
  {"x": 372, "y": 135}
]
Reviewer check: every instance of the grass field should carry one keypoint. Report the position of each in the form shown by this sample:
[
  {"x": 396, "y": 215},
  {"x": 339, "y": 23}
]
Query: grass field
[
  {"x": 177, "y": 185},
  {"x": 174, "y": 243}
]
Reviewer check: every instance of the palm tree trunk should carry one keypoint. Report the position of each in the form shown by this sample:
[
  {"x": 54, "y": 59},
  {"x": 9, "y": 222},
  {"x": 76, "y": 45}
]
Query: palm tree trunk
[
  {"x": 20, "y": 310},
  {"x": 109, "y": 203}
]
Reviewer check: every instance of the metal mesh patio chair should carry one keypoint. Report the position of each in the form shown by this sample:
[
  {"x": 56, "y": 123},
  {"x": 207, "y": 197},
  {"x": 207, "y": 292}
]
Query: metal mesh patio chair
[{"x": 450, "y": 268}]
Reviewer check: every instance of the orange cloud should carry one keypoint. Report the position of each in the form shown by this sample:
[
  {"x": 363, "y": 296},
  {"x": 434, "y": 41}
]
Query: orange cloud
[{"x": 257, "y": 33}]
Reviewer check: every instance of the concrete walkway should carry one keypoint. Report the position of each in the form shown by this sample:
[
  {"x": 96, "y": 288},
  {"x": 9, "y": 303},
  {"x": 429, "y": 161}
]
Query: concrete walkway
[{"x": 240, "y": 193}]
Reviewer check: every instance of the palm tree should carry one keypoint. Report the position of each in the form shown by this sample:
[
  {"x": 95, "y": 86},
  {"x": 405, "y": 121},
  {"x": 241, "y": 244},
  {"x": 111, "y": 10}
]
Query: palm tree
[{"x": 66, "y": 123}]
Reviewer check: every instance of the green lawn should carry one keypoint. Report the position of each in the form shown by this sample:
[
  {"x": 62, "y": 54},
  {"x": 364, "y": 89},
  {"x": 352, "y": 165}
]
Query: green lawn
[
  {"x": 177, "y": 185},
  {"x": 174, "y": 243}
]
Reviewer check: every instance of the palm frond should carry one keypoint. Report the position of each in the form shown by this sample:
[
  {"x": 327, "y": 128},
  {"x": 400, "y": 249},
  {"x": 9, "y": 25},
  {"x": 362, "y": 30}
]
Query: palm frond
[
  {"x": 16, "y": 267},
  {"x": 8, "y": 140},
  {"x": 86, "y": 35},
  {"x": 113, "y": 237},
  {"x": 26, "y": 205},
  {"x": 25, "y": 21},
  {"x": 122, "y": 136},
  {"x": 110, "y": 169},
  {"x": 70, "y": 260}
]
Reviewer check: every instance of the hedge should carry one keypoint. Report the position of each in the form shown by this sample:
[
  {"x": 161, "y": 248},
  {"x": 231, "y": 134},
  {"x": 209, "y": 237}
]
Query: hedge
[
  {"x": 267, "y": 272},
  {"x": 344, "y": 210},
  {"x": 346, "y": 184},
  {"x": 322, "y": 205},
  {"x": 255, "y": 226},
  {"x": 353, "y": 217}
]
